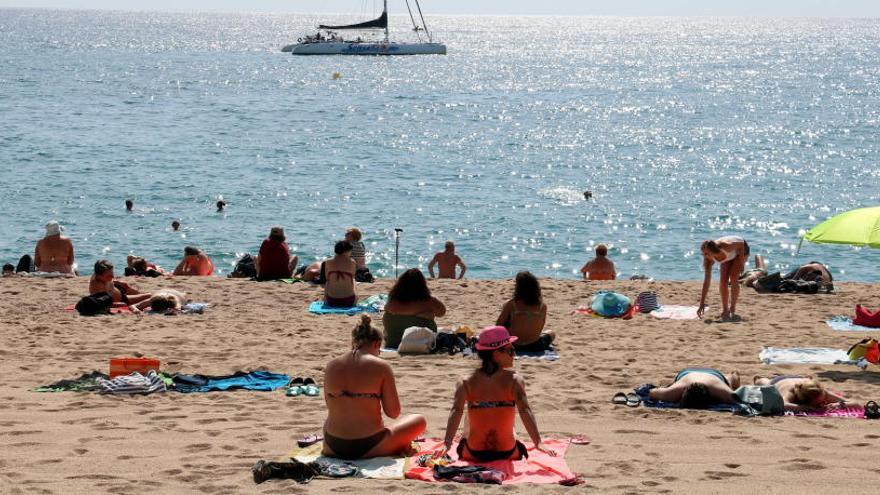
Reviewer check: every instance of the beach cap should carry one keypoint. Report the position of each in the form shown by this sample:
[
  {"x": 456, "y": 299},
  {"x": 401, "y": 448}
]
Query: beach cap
[
  {"x": 53, "y": 228},
  {"x": 492, "y": 338}
]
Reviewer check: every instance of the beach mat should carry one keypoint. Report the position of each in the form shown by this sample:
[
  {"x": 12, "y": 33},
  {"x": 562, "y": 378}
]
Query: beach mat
[
  {"x": 804, "y": 355},
  {"x": 672, "y": 312},
  {"x": 845, "y": 324},
  {"x": 857, "y": 412},
  {"x": 584, "y": 310},
  {"x": 647, "y": 401},
  {"x": 539, "y": 468},
  {"x": 548, "y": 355},
  {"x": 261, "y": 381},
  {"x": 377, "y": 468},
  {"x": 372, "y": 304}
]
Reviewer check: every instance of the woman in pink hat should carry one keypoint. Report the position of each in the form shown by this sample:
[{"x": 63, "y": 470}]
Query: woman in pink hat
[{"x": 493, "y": 393}]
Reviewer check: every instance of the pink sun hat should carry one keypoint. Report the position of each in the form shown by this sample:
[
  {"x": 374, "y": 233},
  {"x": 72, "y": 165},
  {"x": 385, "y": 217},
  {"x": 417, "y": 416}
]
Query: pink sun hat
[{"x": 492, "y": 338}]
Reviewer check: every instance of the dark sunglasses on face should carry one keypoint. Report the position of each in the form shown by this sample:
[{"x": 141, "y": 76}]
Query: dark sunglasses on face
[{"x": 509, "y": 350}]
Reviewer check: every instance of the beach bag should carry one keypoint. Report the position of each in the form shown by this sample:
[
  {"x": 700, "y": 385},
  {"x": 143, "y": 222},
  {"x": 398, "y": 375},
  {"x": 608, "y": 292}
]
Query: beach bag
[
  {"x": 647, "y": 301},
  {"x": 866, "y": 318},
  {"x": 417, "y": 340},
  {"x": 449, "y": 342},
  {"x": 769, "y": 283},
  {"x": 246, "y": 267},
  {"x": 98, "y": 303},
  {"x": 759, "y": 401},
  {"x": 868, "y": 349},
  {"x": 611, "y": 304}
]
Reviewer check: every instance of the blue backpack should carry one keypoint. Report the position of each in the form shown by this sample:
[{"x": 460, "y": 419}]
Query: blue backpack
[{"x": 609, "y": 303}]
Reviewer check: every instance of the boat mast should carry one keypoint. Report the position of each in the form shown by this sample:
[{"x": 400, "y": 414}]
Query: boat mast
[
  {"x": 424, "y": 24},
  {"x": 413, "y": 19},
  {"x": 385, "y": 10}
]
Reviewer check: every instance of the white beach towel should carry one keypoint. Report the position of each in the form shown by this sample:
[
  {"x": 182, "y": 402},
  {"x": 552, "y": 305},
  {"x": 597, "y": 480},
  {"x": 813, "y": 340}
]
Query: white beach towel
[
  {"x": 670, "y": 312},
  {"x": 804, "y": 355},
  {"x": 377, "y": 468}
]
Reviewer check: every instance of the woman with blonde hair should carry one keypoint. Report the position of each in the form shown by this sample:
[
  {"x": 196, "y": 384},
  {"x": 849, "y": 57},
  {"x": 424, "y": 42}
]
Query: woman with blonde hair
[
  {"x": 358, "y": 387},
  {"x": 731, "y": 253},
  {"x": 802, "y": 393}
]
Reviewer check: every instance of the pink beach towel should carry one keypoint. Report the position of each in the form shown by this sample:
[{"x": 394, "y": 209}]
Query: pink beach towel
[
  {"x": 847, "y": 412},
  {"x": 538, "y": 468}
]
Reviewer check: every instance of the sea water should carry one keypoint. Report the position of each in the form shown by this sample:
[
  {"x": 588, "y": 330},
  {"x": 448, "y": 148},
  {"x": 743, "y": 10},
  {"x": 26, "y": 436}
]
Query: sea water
[{"x": 683, "y": 129}]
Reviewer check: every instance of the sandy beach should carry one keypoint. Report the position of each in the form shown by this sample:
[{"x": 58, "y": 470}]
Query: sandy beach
[{"x": 188, "y": 443}]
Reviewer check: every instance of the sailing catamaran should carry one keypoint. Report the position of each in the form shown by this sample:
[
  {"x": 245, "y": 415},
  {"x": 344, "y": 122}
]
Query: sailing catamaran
[{"x": 327, "y": 42}]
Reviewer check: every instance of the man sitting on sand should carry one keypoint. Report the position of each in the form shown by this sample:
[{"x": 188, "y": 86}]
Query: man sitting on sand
[
  {"x": 600, "y": 267},
  {"x": 194, "y": 263},
  {"x": 447, "y": 260},
  {"x": 102, "y": 281},
  {"x": 699, "y": 388},
  {"x": 54, "y": 253}
]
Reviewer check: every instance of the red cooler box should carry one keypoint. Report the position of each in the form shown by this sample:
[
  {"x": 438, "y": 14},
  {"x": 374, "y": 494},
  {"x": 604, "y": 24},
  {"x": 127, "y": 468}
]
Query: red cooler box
[{"x": 127, "y": 366}]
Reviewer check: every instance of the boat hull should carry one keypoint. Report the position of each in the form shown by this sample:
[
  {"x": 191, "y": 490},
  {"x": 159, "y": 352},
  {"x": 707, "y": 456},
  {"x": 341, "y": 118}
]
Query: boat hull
[{"x": 346, "y": 48}]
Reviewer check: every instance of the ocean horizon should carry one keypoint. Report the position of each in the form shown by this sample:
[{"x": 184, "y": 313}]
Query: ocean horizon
[{"x": 682, "y": 129}]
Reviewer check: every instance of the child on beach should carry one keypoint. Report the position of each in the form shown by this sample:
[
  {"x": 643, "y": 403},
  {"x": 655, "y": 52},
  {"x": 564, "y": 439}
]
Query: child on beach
[{"x": 359, "y": 254}]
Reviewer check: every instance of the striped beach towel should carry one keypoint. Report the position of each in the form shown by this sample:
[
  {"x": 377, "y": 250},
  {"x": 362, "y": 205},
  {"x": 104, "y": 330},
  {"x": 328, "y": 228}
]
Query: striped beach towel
[
  {"x": 134, "y": 383},
  {"x": 647, "y": 301}
]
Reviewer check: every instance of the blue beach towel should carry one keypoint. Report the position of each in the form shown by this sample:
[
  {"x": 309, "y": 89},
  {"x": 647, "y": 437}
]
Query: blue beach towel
[
  {"x": 845, "y": 324},
  {"x": 255, "y": 380},
  {"x": 647, "y": 401},
  {"x": 372, "y": 304}
]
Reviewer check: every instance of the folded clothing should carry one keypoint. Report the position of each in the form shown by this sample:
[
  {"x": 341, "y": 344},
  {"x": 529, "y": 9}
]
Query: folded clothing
[
  {"x": 134, "y": 383},
  {"x": 241, "y": 380},
  {"x": 539, "y": 468},
  {"x": 379, "y": 468}
]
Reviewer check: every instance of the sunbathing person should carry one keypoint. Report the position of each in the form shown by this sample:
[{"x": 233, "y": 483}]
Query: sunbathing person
[
  {"x": 310, "y": 273},
  {"x": 802, "y": 393},
  {"x": 358, "y": 387},
  {"x": 338, "y": 273},
  {"x": 139, "y": 267},
  {"x": 410, "y": 304},
  {"x": 102, "y": 281},
  {"x": 194, "y": 263},
  {"x": 731, "y": 252},
  {"x": 698, "y": 388},
  {"x": 54, "y": 253},
  {"x": 524, "y": 315},
  {"x": 600, "y": 267},
  {"x": 759, "y": 271},
  {"x": 447, "y": 261},
  {"x": 162, "y": 301},
  {"x": 493, "y": 394},
  {"x": 274, "y": 261}
]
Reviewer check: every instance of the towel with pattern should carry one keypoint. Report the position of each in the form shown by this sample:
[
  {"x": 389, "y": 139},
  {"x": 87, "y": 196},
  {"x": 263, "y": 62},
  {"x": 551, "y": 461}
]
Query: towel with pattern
[{"x": 134, "y": 383}]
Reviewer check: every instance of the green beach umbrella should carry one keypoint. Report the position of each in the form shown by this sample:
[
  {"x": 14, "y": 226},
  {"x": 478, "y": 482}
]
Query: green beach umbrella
[{"x": 859, "y": 227}]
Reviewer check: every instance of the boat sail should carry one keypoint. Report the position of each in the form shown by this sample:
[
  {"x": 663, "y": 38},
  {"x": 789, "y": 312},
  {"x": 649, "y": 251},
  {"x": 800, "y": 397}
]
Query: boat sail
[{"x": 327, "y": 42}]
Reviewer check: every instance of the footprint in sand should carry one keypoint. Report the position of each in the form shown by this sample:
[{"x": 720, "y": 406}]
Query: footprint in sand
[
  {"x": 197, "y": 447},
  {"x": 723, "y": 475},
  {"x": 802, "y": 465}
]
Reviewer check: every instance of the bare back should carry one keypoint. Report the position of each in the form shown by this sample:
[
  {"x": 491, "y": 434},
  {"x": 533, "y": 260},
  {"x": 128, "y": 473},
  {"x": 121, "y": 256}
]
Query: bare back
[
  {"x": 446, "y": 264},
  {"x": 491, "y": 428},
  {"x": 357, "y": 387},
  {"x": 54, "y": 254},
  {"x": 339, "y": 273},
  {"x": 599, "y": 268}
]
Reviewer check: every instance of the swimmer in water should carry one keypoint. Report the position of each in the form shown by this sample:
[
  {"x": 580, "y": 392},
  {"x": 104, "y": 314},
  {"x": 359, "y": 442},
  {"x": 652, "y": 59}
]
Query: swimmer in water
[
  {"x": 175, "y": 225},
  {"x": 221, "y": 205},
  {"x": 129, "y": 205}
]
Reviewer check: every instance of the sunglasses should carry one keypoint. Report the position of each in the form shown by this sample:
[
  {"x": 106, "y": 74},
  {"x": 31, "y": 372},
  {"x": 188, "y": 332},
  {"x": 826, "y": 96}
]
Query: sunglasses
[{"x": 509, "y": 350}]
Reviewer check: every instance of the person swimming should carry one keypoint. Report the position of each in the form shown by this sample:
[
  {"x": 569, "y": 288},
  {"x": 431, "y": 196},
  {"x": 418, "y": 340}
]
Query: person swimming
[
  {"x": 358, "y": 387},
  {"x": 698, "y": 388},
  {"x": 732, "y": 252},
  {"x": 492, "y": 394}
]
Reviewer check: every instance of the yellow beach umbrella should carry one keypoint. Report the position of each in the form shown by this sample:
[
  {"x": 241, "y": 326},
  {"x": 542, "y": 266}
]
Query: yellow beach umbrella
[{"x": 859, "y": 227}]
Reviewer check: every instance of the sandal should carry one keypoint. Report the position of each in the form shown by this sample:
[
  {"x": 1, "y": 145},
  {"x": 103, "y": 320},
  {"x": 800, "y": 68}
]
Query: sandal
[
  {"x": 872, "y": 410},
  {"x": 309, "y": 440},
  {"x": 633, "y": 400},
  {"x": 295, "y": 387},
  {"x": 619, "y": 399},
  {"x": 310, "y": 388},
  {"x": 579, "y": 440}
]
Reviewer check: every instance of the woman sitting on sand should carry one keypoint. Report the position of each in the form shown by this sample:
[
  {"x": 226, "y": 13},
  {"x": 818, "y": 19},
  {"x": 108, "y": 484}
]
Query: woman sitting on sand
[
  {"x": 274, "y": 261},
  {"x": 358, "y": 387},
  {"x": 698, "y": 388},
  {"x": 162, "y": 301},
  {"x": 732, "y": 253},
  {"x": 524, "y": 315},
  {"x": 338, "y": 273},
  {"x": 410, "y": 304},
  {"x": 194, "y": 263},
  {"x": 493, "y": 394},
  {"x": 802, "y": 393}
]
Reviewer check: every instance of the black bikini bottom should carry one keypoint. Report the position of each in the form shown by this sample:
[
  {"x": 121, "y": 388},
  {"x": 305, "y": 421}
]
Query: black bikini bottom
[
  {"x": 354, "y": 448},
  {"x": 492, "y": 455}
]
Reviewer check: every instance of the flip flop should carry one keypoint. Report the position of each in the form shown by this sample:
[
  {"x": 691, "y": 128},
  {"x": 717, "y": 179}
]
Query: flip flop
[
  {"x": 295, "y": 387},
  {"x": 633, "y": 400},
  {"x": 309, "y": 440},
  {"x": 872, "y": 410},
  {"x": 619, "y": 399},
  {"x": 310, "y": 388},
  {"x": 580, "y": 440}
]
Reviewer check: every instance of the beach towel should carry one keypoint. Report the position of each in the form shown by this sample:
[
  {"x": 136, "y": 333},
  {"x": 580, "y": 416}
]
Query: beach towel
[
  {"x": 845, "y": 324},
  {"x": 647, "y": 401},
  {"x": 671, "y": 312},
  {"x": 87, "y": 382},
  {"x": 289, "y": 281},
  {"x": 547, "y": 355},
  {"x": 372, "y": 304},
  {"x": 134, "y": 383},
  {"x": 262, "y": 381},
  {"x": 377, "y": 468},
  {"x": 584, "y": 310},
  {"x": 804, "y": 355},
  {"x": 539, "y": 468},
  {"x": 847, "y": 412},
  {"x": 116, "y": 309}
]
